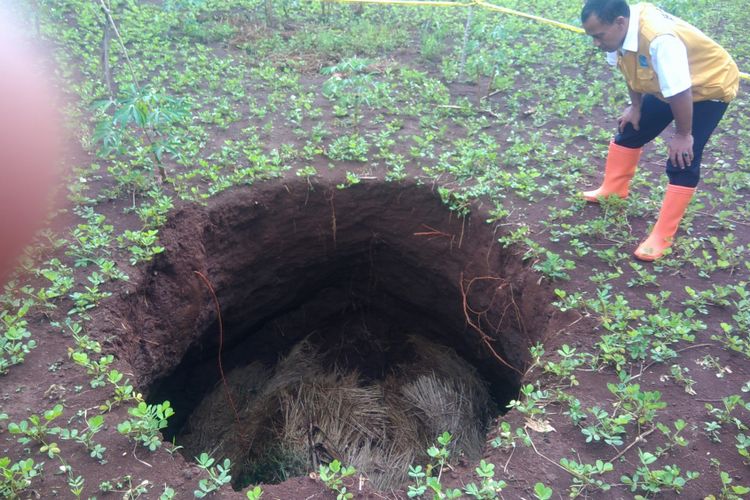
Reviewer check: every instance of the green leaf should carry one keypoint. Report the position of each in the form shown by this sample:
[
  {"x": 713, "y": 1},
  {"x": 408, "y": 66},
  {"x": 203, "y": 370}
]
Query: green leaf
[{"x": 542, "y": 492}]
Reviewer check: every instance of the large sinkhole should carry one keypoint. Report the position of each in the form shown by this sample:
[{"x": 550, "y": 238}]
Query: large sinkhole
[{"x": 358, "y": 325}]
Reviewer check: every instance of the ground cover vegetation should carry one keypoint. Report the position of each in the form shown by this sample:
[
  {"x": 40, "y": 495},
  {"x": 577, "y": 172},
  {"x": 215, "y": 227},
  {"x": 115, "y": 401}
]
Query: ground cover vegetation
[{"x": 642, "y": 393}]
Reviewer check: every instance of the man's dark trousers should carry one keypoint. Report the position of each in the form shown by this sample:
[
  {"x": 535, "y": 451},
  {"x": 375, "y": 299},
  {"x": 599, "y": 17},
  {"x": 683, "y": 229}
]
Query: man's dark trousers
[{"x": 656, "y": 115}]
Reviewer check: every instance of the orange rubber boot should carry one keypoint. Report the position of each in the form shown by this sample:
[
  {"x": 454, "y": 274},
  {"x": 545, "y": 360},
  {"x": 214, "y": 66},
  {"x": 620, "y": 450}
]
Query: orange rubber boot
[
  {"x": 676, "y": 201},
  {"x": 619, "y": 170}
]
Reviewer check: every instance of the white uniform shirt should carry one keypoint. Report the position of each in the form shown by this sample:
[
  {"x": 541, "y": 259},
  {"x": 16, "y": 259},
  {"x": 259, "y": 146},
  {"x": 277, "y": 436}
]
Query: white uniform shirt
[{"x": 668, "y": 56}]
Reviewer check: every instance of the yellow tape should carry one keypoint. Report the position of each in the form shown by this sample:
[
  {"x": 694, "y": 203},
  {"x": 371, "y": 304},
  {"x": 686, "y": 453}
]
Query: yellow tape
[
  {"x": 513, "y": 12},
  {"x": 417, "y": 3},
  {"x": 483, "y": 4}
]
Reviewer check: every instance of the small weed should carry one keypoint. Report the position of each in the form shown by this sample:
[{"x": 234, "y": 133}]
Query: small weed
[
  {"x": 652, "y": 481},
  {"x": 144, "y": 245},
  {"x": 607, "y": 428},
  {"x": 145, "y": 423},
  {"x": 681, "y": 376},
  {"x": 218, "y": 475},
  {"x": 85, "y": 436},
  {"x": 506, "y": 438},
  {"x": 532, "y": 403},
  {"x": 15, "y": 338},
  {"x": 570, "y": 360},
  {"x": 585, "y": 476},
  {"x": 641, "y": 405},
  {"x": 15, "y": 477},
  {"x": 426, "y": 479},
  {"x": 542, "y": 492},
  {"x": 728, "y": 491},
  {"x": 352, "y": 147},
  {"x": 710, "y": 362},
  {"x": 673, "y": 439},
  {"x": 489, "y": 487},
  {"x": 723, "y": 415},
  {"x": 333, "y": 476},
  {"x": 554, "y": 266},
  {"x": 254, "y": 493}
]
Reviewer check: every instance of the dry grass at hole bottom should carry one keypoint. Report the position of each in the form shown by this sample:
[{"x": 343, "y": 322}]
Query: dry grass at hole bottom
[{"x": 305, "y": 411}]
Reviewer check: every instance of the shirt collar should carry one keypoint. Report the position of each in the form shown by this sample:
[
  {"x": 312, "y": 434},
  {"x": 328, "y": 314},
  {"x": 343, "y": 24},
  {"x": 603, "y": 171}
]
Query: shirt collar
[{"x": 631, "y": 37}]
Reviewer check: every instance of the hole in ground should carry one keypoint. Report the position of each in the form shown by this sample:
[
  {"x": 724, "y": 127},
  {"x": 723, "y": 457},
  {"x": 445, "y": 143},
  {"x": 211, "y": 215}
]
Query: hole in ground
[{"x": 352, "y": 324}]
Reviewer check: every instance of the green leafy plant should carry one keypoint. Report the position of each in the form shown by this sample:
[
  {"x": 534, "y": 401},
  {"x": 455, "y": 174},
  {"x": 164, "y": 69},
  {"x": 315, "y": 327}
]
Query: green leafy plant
[
  {"x": 352, "y": 85},
  {"x": 96, "y": 368},
  {"x": 91, "y": 239},
  {"x": 154, "y": 113},
  {"x": 168, "y": 493},
  {"x": 575, "y": 410},
  {"x": 506, "y": 438},
  {"x": 351, "y": 180},
  {"x": 643, "y": 277},
  {"x": 652, "y": 481},
  {"x": 145, "y": 423},
  {"x": 732, "y": 340},
  {"x": 533, "y": 401},
  {"x": 554, "y": 266},
  {"x": 673, "y": 439},
  {"x": 569, "y": 361},
  {"x": 36, "y": 428},
  {"x": 76, "y": 484},
  {"x": 488, "y": 487},
  {"x": 542, "y": 492},
  {"x": 729, "y": 491},
  {"x": 586, "y": 476},
  {"x": 144, "y": 245},
  {"x": 254, "y": 493},
  {"x": 15, "y": 338},
  {"x": 123, "y": 391},
  {"x": 15, "y": 477},
  {"x": 352, "y": 147},
  {"x": 641, "y": 405},
  {"x": 85, "y": 437},
  {"x": 218, "y": 475},
  {"x": 333, "y": 476},
  {"x": 743, "y": 445},
  {"x": 607, "y": 428},
  {"x": 419, "y": 487},
  {"x": 724, "y": 415},
  {"x": 426, "y": 479}
]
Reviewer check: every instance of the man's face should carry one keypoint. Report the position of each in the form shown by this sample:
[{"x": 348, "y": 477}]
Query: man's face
[{"x": 607, "y": 37}]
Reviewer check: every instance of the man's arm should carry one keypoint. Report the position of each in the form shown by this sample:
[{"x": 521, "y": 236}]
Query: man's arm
[
  {"x": 681, "y": 145},
  {"x": 632, "y": 113},
  {"x": 635, "y": 99},
  {"x": 669, "y": 56}
]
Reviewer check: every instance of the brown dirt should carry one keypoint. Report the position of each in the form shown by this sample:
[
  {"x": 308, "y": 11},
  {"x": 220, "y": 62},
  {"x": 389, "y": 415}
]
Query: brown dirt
[{"x": 267, "y": 249}]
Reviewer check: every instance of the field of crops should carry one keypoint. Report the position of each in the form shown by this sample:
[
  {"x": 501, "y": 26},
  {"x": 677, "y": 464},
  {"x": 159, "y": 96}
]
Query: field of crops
[{"x": 329, "y": 250}]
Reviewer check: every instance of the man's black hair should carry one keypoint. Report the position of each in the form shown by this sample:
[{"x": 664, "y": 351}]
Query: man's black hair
[{"x": 606, "y": 10}]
